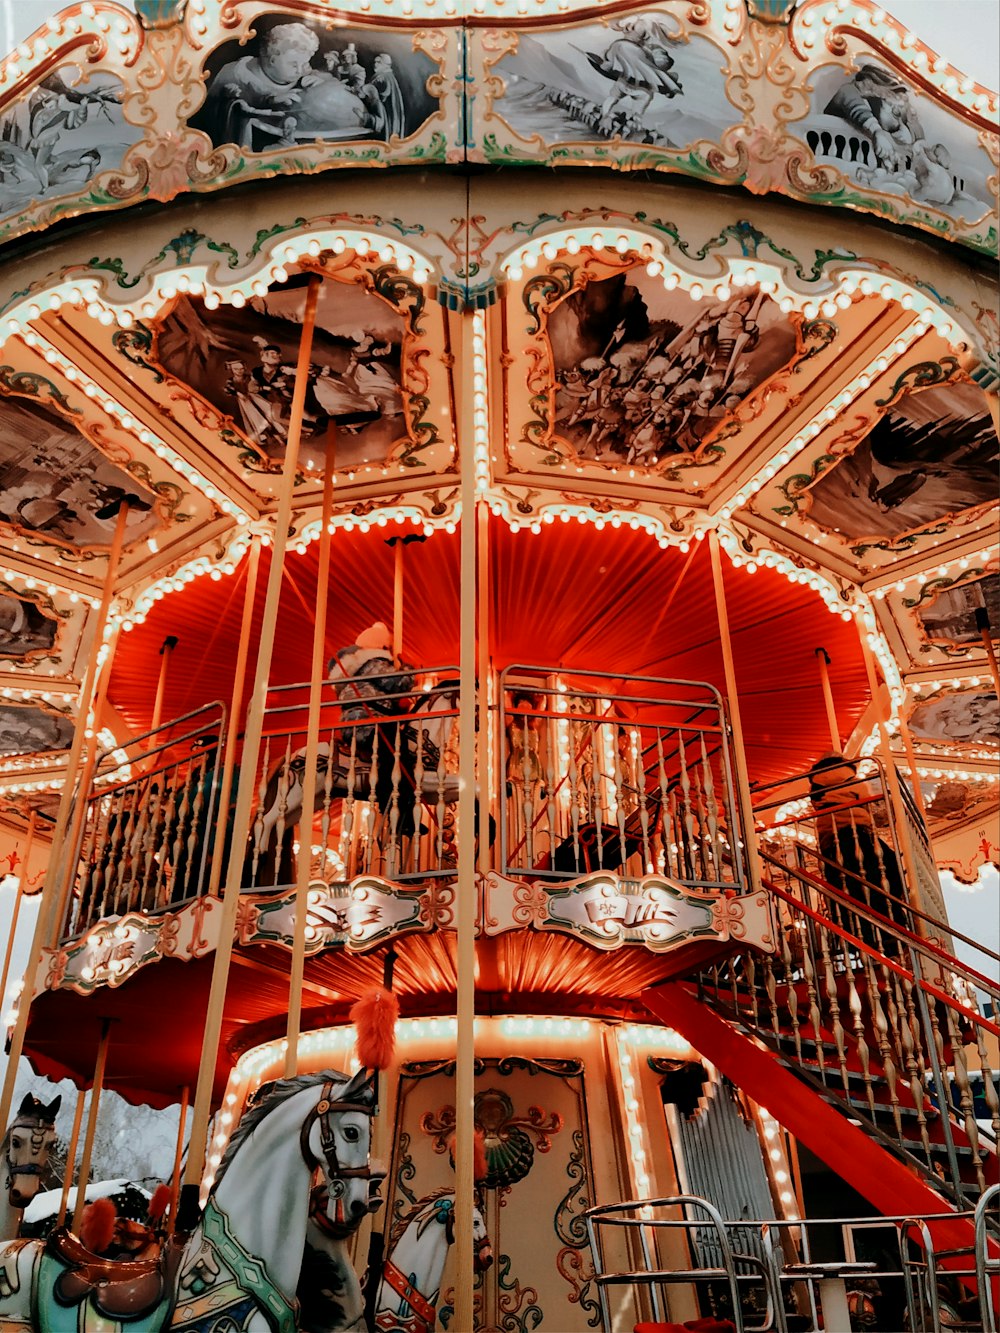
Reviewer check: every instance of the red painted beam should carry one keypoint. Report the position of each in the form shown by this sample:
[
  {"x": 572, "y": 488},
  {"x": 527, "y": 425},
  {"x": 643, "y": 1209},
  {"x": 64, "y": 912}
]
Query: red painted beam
[{"x": 885, "y": 1182}]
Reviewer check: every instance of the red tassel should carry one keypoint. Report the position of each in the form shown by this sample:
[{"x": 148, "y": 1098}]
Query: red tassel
[
  {"x": 374, "y": 1017},
  {"x": 159, "y": 1203},
  {"x": 97, "y": 1227}
]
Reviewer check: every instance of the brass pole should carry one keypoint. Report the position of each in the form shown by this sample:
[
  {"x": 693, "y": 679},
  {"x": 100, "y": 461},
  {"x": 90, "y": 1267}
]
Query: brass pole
[
  {"x": 96, "y": 1089},
  {"x": 79, "y": 814},
  {"x": 823, "y": 657},
  {"x": 52, "y": 887},
  {"x": 911, "y": 758},
  {"x": 309, "y": 783},
  {"x": 483, "y": 700},
  {"x": 892, "y": 780},
  {"x": 175, "y": 1180},
  {"x": 16, "y": 911},
  {"x": 187, "y": 1208},
  {"x": 465, "y": 899},
  {"x": 235, "y": 713},
  {"x": 983, "y": 625},
  {"x": 74, "y": 1142},
  {"x": 398, "y": 575},
  {"x": 169, "y": 644},
  {"x": 739, "y": 750}
]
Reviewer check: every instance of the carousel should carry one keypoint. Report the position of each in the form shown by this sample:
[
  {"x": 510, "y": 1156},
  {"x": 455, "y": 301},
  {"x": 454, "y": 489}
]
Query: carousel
[{"x": 487, "y": 695}]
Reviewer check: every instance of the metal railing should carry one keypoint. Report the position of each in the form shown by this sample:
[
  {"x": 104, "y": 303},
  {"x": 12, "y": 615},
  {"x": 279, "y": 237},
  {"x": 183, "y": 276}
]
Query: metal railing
[
  {"x": 631, "y": 774},
  {"x": 387, "y": 781},
  {"x": 874, "y": 1018},
  {"x": 146, "y": 839},
  {"x": 899, "y": 1268}
]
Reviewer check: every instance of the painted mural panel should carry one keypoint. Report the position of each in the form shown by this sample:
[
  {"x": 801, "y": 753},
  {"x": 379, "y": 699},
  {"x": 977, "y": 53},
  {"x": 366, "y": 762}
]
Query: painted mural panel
[
  {"x": 55, "y": 140},
  {"x": 886, "y": 137},
  {"x": 533, "y": 1117},
  {"x": 963, "y": 718},
  {"x": 640, "y": 79},
  {"x": 243, "y": 362},
  {"x": 55, "y": 483},
  {"x": 931, "y": 455},
  {"x": 643, "y": 373},
  {"x": 24, "y": 628},
  {"x": 25, "y": 729},
  {"x": 952, "y": 613},
  {"x": 299, "y": 83}
]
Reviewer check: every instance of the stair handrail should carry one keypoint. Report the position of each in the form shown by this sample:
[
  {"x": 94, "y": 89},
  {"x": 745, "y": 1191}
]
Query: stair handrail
[
  {"x": 987, "y": 1265},
  {"x": 888, "y": 927},
  {"x": 934, "y": 923}
]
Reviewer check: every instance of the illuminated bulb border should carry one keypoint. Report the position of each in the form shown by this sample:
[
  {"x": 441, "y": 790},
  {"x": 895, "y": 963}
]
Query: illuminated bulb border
[
  {"x": 957, "y": 564},
  {"x": 333, "y": 1047},
  {"x": 811, "y": 26}
]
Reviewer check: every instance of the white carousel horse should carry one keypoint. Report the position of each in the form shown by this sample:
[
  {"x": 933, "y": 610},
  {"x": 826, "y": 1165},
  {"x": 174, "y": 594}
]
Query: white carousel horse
[
  {"x": 418, "y": 1247},
  {"x": 343, "y": 773},
  {"x": 239, "y": 1267},
  {"x": 25, "y": 1150}
]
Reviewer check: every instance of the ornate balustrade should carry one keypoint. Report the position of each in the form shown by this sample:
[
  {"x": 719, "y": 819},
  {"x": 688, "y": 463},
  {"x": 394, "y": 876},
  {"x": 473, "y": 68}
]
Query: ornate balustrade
[{"x": 631, "y": 775}]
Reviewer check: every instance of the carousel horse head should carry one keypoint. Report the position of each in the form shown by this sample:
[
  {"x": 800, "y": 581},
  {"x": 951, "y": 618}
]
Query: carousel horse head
[
  {"x": 336, "y": 1138},
  {"x": 26, "y": 1148}
]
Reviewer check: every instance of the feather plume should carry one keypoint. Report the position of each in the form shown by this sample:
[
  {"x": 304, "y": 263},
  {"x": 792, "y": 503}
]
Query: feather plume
[
  {"x": 159, "y": 1203},
  {"x": 480, "y": 1166},
  {"x": 97, "y": 1228},
  {"x": 374, "y": 1017}
]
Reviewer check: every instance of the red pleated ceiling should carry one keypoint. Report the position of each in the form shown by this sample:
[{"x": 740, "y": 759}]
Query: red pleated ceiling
[{"x": 570, "y": 597}]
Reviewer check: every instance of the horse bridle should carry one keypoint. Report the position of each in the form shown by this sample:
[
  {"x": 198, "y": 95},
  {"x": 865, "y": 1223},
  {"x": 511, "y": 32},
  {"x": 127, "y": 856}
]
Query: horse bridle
[
  {"x": 323, "y": 1111},
  {"x": 33, "y": 1127}
]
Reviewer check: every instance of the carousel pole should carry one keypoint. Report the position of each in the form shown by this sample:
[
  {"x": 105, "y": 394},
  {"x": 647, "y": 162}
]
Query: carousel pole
[
  {"x": 235, "y": 707},
  {"x": 96, "y": 1088},
  {"x": 896, "y": 804},
  {"x": 175, "y": 1179},
  {"x": 739, "y": 751},
  {"x": 398, "y": 576},
  {"x": 483, "y": 676},
  {"x": 187, "y": 1210},
  {"x": 309, "y": 783},
  {"x": 48, "y": 918},
  {"x": 465, "y": 898},
  {"x": 983, "y": 625},
  {"x": 911, "y": 758},
  {"x": 16, "y": 911},
  {"x": 823, "y": 657},
  {"x": 74, "y": 1142},
  {"x": 72, "y": 844},
  {"x": 169, "y": 644}
]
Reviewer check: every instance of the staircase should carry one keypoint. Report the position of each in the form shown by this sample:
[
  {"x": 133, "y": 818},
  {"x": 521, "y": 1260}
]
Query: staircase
[{"x": 863, "y": 1038}]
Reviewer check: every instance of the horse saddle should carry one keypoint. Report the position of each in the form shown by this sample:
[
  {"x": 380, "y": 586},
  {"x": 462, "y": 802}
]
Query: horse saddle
[{"x": 133, "y": 1291}]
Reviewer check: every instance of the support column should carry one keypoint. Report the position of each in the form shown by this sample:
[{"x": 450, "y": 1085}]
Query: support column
[
  {"x": 187, "y": 1209},
  {"x": 823, "y": 657},
  {"x": 175, "y": 1179},
  {"x": 398, "y": 578},
  {"x": 309, "y": 782},
  {"x": 465, "y": 899},
  {"x": 983, "y": 625},
  {"x": 57, "y": 873},
  {"x": 169, "y": 644},
  {"x": 16, "y": 911},
  {"x": 739, "y": 751},
  {"x": 74, "y": 1143},
  {"x": 96, "y": 1088},
  {"x": 911, "y": 758}
]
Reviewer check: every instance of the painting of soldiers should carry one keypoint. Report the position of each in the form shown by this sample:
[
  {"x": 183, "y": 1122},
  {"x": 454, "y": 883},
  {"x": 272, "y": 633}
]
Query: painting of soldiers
[{"x": 644, "y": 374}]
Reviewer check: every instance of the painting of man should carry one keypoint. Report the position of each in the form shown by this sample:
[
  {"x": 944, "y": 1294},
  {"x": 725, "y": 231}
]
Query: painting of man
[{"x": 296, "y": 83}]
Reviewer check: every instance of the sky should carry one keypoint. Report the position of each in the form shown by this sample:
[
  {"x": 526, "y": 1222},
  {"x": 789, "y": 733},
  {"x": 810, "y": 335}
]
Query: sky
[{"x": 966, "y": 32}]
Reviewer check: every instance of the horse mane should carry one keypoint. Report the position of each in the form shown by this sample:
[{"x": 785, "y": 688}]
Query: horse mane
[
  {"x": 267, "y": 1097},
  {"x": 400, "y": 1225}
]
